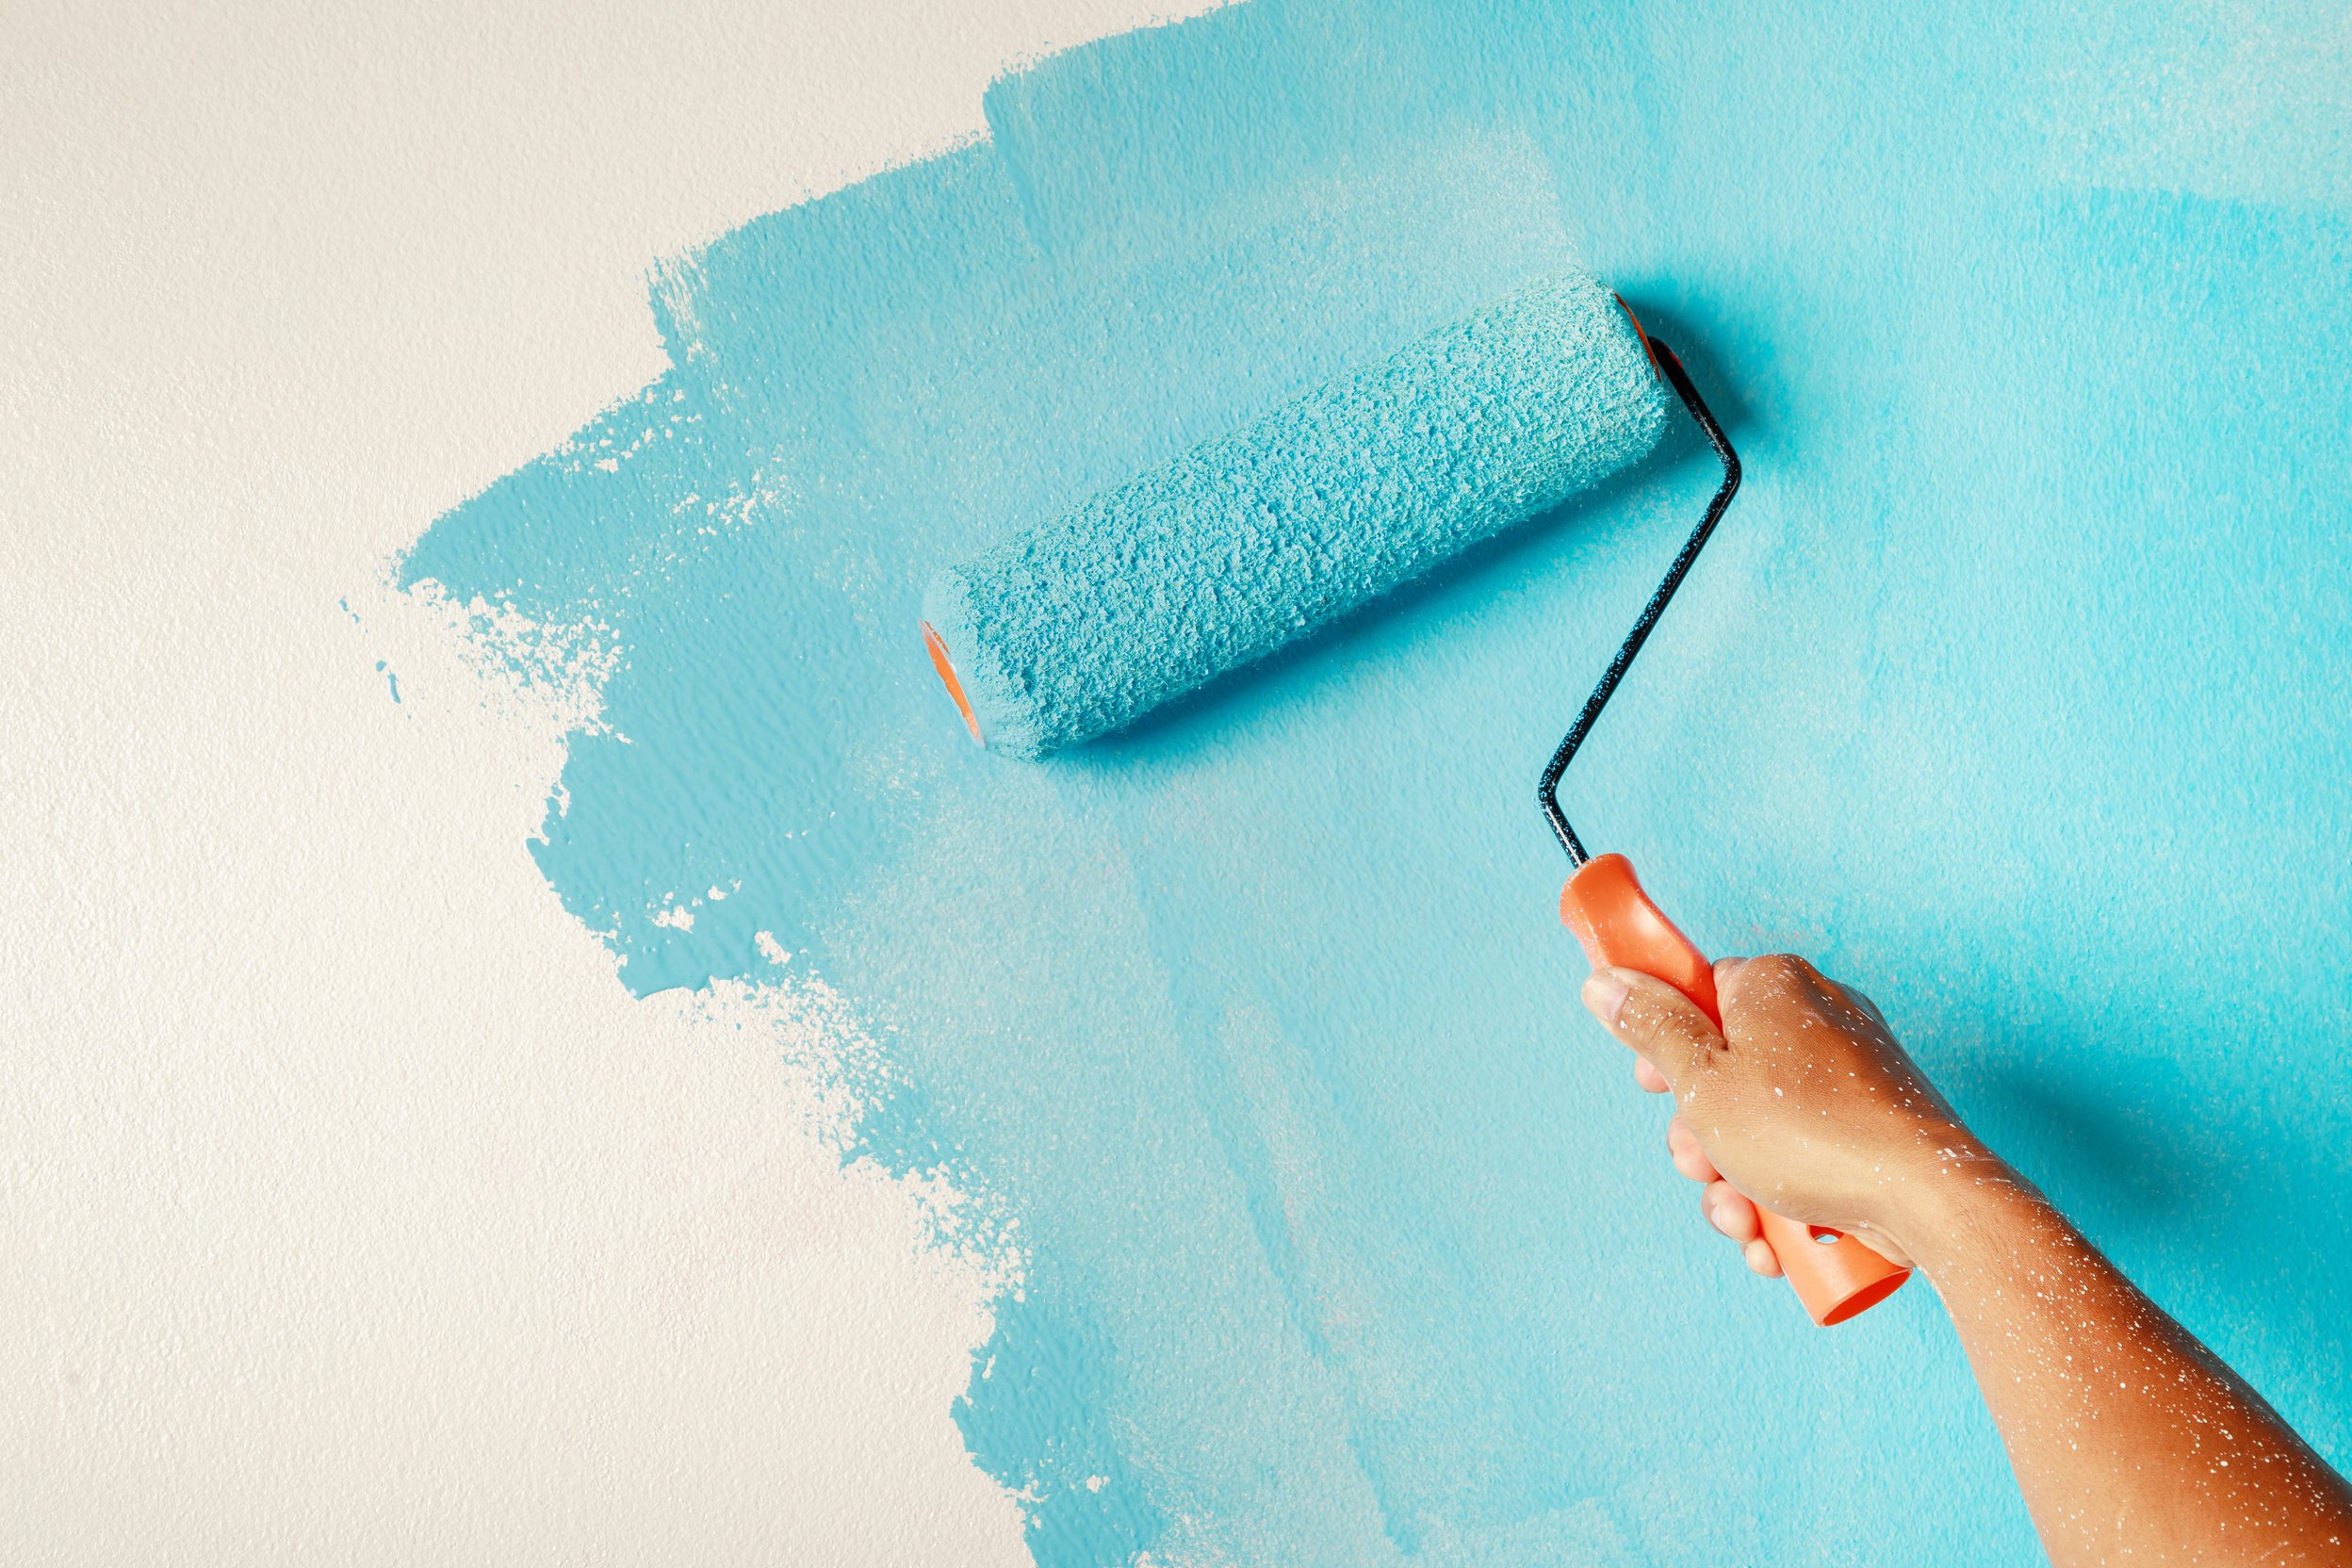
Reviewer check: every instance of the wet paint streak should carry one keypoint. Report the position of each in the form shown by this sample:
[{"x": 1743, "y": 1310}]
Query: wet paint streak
[{"x": 2015, "y": 689}]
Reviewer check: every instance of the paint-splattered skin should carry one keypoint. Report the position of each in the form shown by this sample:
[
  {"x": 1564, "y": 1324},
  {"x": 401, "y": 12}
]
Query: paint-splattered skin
[{"x": 2013, "y": 688}]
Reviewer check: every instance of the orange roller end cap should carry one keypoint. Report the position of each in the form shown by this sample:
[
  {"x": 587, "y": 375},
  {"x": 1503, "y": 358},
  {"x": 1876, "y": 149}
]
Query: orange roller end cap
[{"x": 946, "y": 667}]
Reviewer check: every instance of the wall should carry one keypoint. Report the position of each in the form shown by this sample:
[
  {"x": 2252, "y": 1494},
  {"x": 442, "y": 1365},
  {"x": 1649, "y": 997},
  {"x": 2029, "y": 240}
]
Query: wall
[
  {"x": 350, "y": 1210},
  {"x": 1237, "y": 1060}
]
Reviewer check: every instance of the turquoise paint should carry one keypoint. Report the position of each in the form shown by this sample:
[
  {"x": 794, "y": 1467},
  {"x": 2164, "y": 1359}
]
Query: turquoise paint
[
  {"x": 2015, "y": 689},
  {"x": 1215, "y": 559}
]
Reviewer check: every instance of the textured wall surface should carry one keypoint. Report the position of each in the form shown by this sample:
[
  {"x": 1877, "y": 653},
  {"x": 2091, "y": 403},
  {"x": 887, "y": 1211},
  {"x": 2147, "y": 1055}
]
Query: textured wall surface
[
  {"x": 1224, "y": 1081},
  {"x": 350, "y": 1210},
  {"x": 2014, "y": 691}
]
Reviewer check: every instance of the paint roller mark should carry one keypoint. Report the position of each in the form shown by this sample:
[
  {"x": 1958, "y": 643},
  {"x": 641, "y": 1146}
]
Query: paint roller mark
[
  {"x": 2252, "y": 102},
  {"x": 1339, "y": 1245}
]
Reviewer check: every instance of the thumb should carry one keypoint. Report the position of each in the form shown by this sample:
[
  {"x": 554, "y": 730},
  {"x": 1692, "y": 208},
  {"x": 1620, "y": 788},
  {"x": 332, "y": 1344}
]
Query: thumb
[{"x": 1661, "y": 1025}]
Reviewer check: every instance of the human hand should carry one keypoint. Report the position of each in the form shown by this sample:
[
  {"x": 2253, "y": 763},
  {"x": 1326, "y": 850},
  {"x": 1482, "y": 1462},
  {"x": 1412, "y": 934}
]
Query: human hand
[{"x": 1802, "y": 1102}]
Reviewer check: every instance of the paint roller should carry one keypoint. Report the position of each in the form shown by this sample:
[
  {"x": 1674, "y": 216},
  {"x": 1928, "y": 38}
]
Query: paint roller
[{"x": 1218, "y": 558}]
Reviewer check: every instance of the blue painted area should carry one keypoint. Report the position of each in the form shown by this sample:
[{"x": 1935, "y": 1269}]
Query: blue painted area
[{"x": 2016, "y": 689}]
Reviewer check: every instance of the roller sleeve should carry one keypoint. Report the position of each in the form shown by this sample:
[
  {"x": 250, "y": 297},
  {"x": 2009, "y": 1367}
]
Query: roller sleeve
[{"x": 1218, "y": 557}]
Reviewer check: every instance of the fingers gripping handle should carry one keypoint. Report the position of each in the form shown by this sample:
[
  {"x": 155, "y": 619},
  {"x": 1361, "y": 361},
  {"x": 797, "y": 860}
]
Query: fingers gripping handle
[{"x": 1836, "y": 1276}]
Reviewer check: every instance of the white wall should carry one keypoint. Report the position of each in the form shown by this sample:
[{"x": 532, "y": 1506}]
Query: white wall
[{"x": 349, "y": 1208}]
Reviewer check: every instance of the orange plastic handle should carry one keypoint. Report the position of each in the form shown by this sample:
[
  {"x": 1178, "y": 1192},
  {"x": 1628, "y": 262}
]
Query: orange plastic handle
[{"x": 1836, "y": 1276}]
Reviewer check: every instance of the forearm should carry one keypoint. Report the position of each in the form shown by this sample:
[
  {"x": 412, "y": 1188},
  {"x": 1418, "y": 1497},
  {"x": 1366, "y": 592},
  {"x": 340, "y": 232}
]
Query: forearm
[{"x": 2130, "y": 1441}]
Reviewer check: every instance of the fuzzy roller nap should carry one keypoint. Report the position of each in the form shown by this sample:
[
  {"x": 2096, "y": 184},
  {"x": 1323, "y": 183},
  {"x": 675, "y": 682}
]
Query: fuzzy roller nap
[{"x": 1215, "y": 559}]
